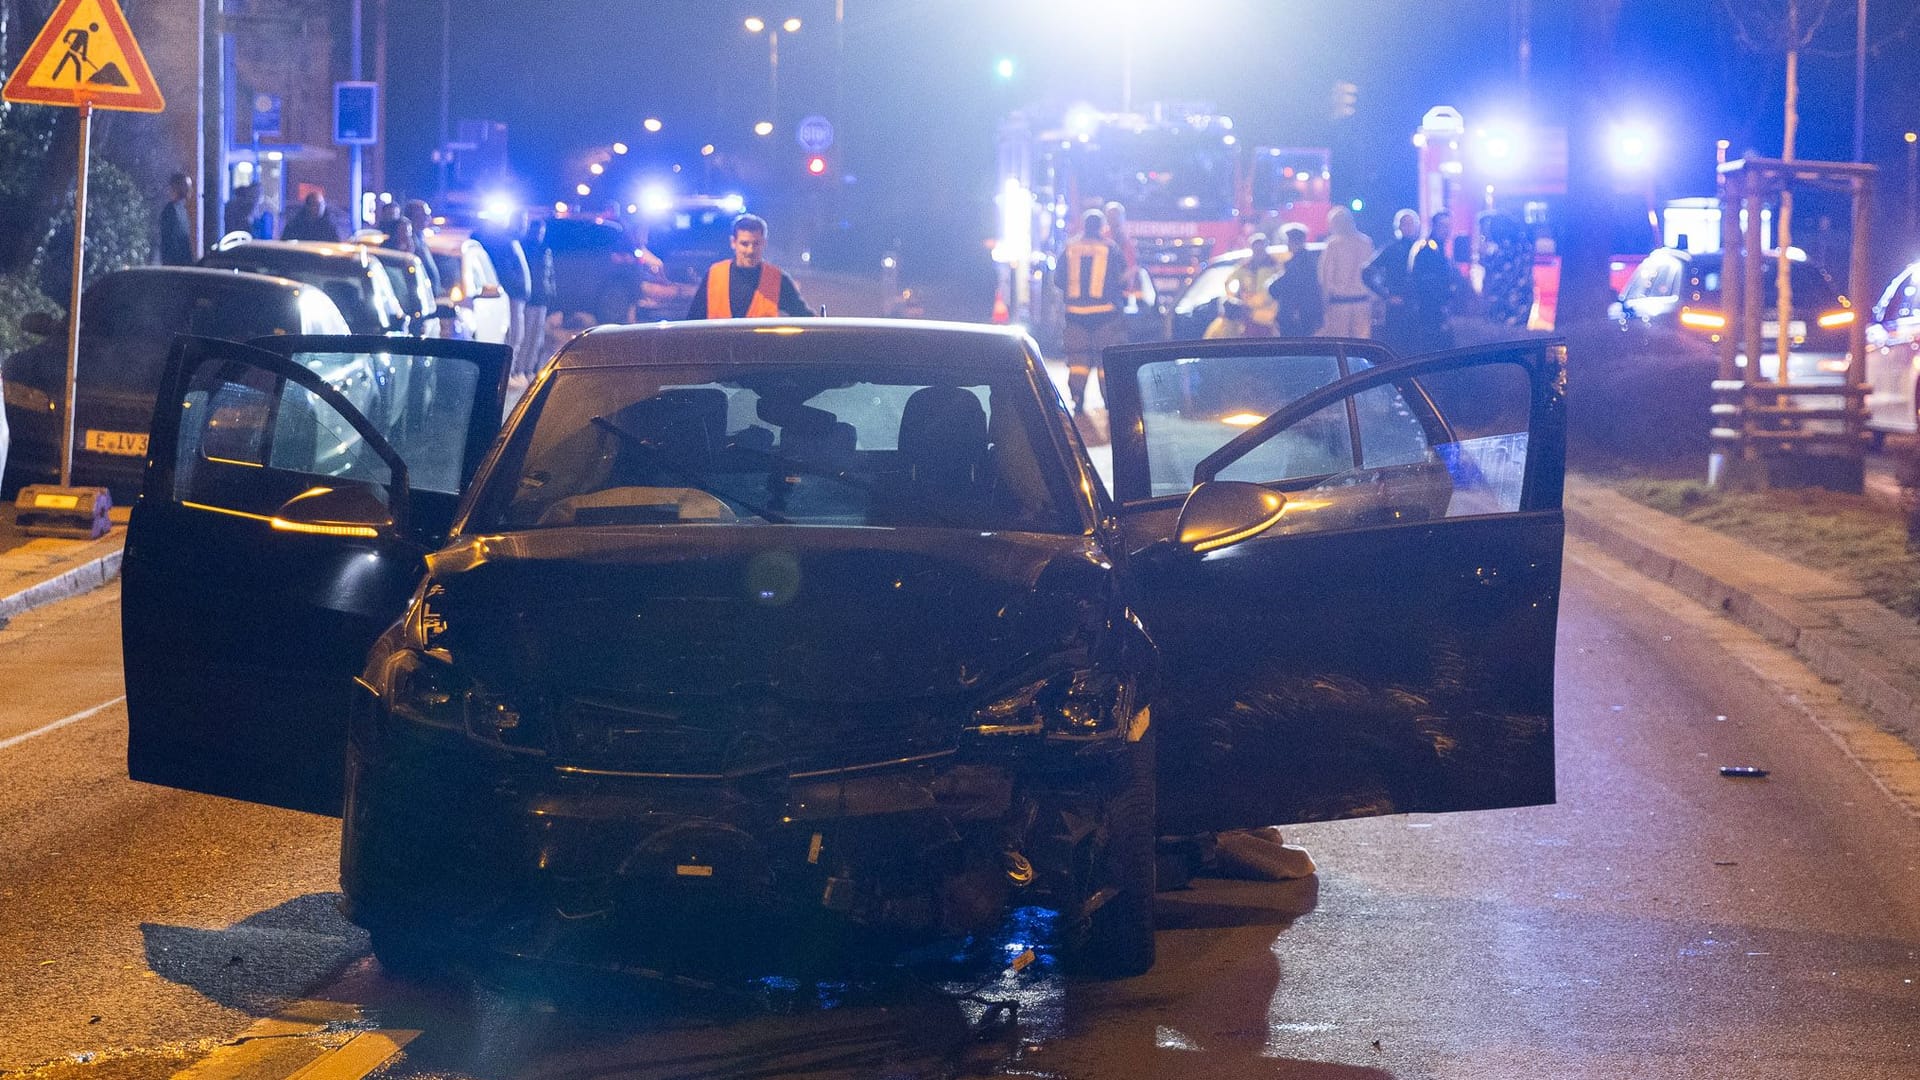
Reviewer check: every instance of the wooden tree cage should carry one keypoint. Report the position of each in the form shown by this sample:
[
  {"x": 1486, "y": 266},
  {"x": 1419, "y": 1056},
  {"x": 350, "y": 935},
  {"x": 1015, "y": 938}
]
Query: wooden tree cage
[{"x": 1779, "y": 432}]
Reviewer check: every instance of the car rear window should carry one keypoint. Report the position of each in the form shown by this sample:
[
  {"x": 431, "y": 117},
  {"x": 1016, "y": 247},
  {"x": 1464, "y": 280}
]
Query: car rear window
[{"x": 846, "y": 445}]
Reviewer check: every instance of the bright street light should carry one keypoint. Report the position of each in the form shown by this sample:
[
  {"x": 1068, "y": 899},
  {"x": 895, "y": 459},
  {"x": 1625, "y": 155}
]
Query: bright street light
[
  {"x": 755, "y": 24},
  {"x": 651, "y": 123},
  {"x": 619, "y": 148},
  {"x": 764, "y": 127},
  {"x": 707, "y": 150}
]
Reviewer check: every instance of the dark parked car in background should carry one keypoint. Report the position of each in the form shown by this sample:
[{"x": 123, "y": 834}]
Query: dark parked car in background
[
  {"x": 353, "y": 279},
  {"x": 597, "y": 268},
  {"x": 128, "y": 320},
  {"x": 834, "y": 619},
  {"x": 1674, "y": 290},
  {"x": 411, "y": 286}
]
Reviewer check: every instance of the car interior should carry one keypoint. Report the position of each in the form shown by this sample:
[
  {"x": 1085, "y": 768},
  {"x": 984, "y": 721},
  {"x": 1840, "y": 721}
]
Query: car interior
[{"x": 792, "y": 450}]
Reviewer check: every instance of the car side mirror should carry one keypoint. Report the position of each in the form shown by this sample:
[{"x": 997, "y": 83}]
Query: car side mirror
[
  {"x": 41, "y": 324},
  {"x": 1221, "y": 513},
  {"x": 490, "y": 292},
  {"x": 347, "y": 509}
]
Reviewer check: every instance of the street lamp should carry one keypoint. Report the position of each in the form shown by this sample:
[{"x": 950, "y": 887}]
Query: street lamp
[{"x": 755, "y": 25}]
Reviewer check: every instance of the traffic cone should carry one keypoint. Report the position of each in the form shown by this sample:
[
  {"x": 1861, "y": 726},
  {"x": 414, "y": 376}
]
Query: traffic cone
[{"x": 1001, "y": 316}]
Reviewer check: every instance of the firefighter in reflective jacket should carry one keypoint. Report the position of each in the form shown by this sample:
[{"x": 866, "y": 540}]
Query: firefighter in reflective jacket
[
  {"x": 747, "y": 286},
  {"x": 1093, "y": 273}
]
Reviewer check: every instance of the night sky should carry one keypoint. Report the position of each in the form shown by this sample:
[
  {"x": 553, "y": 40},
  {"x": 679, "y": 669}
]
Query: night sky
[{"x": 921, "y": 100}]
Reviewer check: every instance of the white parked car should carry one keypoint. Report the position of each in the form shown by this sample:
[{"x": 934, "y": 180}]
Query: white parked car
[
  {"x": 1893, "y": 357},
  {"x": 473, "y": 288}
]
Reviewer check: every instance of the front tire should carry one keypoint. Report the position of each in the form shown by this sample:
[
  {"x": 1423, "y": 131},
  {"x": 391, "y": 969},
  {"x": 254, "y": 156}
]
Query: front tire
[
  {"x": 1117, "y": 938},
  {"x": 410, "y": 958}
]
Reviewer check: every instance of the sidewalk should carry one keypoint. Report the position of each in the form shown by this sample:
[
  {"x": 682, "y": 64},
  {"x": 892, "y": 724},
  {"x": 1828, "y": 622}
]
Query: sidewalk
[
  {"x": 36, "y": 570},
  {"x": 1871, "y": 653}
]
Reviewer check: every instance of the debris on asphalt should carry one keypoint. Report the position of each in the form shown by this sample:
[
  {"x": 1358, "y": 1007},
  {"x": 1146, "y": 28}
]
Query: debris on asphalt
[
  {"x": 1260, "y": 855},
  {"x": 1753, "y": 771}
]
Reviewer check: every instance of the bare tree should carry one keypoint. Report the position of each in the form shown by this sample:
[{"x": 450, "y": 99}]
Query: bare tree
[{"x": 1790, "y": 27}]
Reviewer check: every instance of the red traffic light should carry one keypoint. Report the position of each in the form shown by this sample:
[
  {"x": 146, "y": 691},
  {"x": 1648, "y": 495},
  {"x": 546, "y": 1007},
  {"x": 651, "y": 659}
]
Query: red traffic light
[{"x": 816, "y": 165}]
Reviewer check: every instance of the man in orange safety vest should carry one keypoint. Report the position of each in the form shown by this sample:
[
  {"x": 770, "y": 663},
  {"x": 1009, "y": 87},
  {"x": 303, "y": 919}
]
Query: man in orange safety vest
[{"x": 747, "y": 286}]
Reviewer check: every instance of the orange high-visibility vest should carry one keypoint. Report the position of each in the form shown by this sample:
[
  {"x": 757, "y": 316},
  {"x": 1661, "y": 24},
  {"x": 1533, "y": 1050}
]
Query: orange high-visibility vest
[{"x": 766, "y": 296}]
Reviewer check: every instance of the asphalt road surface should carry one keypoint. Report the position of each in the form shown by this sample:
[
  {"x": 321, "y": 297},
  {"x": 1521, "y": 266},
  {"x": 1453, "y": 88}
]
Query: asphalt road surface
[{"x": 1660, "y": 921}]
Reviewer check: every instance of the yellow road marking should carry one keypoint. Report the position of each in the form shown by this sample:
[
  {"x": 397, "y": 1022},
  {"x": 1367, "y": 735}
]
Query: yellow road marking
[
  {"x": 282, "y": 1045},
  {"x": 364, "y": 1053}
]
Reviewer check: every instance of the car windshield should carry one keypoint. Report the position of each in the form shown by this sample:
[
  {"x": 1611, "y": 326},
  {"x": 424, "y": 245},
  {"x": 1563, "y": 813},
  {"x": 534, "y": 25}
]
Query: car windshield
[
  {"x": 1813, "y": 289},
  {"x": 756, "y": 444}
]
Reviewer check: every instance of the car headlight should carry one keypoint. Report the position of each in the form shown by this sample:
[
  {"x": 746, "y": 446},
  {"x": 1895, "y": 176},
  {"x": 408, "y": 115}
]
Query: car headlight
[
  {"x": 1072, "y": 706},
  {"x": 424, "y": 689}
]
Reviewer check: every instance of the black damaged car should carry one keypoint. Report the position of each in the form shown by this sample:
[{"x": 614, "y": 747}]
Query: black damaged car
[{"x": 836, "y": 618}]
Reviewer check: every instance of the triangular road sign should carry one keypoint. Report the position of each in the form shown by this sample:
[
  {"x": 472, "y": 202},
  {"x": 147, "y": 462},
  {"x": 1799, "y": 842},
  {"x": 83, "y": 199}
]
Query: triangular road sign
[{"x": 86, "y": 54}]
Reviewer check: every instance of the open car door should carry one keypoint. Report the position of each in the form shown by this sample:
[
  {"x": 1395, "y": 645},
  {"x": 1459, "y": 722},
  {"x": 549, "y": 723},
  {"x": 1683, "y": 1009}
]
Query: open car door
[
  {"x": 291, "y": 490},
  {"x": 1384, "y": 641}
]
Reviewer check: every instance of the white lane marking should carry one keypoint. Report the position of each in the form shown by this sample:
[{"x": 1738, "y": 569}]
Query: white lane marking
[{"x": 6, "y": 744}]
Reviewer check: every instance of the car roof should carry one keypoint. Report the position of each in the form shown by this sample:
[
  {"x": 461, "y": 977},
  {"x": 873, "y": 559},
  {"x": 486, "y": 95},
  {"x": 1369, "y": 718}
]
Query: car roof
[
  {"x": 292, "y": 252},
  {"x": 911, "y": 342},
  {"x": 209, "y": 278}
]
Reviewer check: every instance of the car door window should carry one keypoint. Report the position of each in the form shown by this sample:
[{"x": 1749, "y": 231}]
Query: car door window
[
  {"x": 422, "y": 405},
  {"x": 1190, "y": 408},
  {"x": 1450, "y": 444},
  {"x": 249, "y": 440}
]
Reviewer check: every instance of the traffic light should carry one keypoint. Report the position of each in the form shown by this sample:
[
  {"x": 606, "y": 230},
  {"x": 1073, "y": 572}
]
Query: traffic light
[
  {"x": 816, "y": 165},
  {"x": 1345, "y": 96}
]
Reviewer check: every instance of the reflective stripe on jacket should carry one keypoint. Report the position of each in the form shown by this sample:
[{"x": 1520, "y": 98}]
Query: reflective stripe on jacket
[
  {"x": 1087, "y": 275},
  {"x": 766, "y": 296}
]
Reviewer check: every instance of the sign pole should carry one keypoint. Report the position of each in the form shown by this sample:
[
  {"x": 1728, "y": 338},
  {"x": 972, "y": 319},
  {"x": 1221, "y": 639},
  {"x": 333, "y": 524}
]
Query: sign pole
[{"x": 79, "y": 277}]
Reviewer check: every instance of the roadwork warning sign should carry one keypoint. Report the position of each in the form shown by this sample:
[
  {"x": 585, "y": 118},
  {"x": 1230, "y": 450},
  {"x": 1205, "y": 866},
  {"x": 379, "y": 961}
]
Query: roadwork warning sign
[{"x": 86, "y": 55}]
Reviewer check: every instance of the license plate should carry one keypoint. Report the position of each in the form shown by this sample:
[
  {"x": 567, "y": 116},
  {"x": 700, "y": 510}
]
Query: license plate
[{"x": 119, "y": 443}]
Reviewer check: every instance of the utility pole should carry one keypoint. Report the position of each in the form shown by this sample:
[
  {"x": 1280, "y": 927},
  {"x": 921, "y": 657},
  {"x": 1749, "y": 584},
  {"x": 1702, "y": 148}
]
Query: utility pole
[
  {"x": 357, "y": 183},
  {"x": 1860, "y": 84},
  {"x": 1584, "y": 289},
  {"x": 443, "y": 155}
]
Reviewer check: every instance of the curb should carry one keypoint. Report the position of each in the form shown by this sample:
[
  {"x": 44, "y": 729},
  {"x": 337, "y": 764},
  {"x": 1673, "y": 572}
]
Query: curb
[
  {"x": 61, "y": 580},
  {"x": 1872, "y": 654}
]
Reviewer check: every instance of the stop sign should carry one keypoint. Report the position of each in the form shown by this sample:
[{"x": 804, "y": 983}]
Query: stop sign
[{"x": 814, "y": 134}]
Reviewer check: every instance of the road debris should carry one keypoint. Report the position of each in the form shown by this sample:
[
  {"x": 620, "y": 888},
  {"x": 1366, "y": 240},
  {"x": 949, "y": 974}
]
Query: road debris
[{"x": 1747, "y": 771}]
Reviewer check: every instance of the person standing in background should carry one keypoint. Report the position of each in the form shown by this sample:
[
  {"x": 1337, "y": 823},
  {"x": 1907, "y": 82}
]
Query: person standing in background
[
  {"x": 1297, "y": 290},
  {"x": 540, "y": 292},
  {"x": 1390, "y": 276},
  {"x": 176, "y": 224},
  {"x": 1347, "y": 304}
]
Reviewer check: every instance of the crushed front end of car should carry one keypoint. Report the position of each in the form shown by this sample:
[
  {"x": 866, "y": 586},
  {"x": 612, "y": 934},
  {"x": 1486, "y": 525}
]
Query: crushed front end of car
[{"x": 570, "y": 739}]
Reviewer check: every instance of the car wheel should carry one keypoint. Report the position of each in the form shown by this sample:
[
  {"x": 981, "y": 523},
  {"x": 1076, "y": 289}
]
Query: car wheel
[
  {"x": 1117, "y": 939},
  {"x": 409, "y": 957}
]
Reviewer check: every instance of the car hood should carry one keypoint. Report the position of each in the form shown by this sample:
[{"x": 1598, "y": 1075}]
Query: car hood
[{"x": 805, "y": 615}]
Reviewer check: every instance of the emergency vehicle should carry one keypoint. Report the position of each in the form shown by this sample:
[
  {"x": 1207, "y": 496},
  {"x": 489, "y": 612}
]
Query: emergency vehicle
[{"x": 1191, "y": 187}]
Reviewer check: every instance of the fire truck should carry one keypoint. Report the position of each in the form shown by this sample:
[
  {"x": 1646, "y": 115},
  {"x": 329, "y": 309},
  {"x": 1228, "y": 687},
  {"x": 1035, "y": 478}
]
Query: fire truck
[{"x": 1191, "y": 186}]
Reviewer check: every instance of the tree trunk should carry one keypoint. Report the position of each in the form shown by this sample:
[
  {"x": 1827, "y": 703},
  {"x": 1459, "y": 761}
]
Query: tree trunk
[{"x": 1783, "y": 311}]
